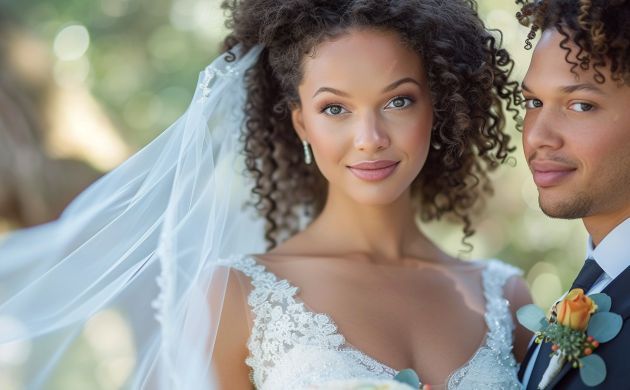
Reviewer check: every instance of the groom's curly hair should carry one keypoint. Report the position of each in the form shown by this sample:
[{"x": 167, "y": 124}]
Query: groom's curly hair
[
  {"x": 469, "y": 76},
  {"x": 599, "y": 28}
]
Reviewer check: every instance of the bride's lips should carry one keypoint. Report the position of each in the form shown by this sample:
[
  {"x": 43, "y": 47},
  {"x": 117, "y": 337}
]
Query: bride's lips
[
  {"x": 373, "y": 170},
  {"x": 549, "y": 173}
]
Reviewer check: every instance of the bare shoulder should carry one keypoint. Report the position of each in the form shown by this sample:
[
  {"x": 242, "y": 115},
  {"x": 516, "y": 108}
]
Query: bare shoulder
[{"x": 517, "y": 292}]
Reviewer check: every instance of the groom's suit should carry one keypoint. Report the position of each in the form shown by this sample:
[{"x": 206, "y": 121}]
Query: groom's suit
[{"x": 613, "y": 256}]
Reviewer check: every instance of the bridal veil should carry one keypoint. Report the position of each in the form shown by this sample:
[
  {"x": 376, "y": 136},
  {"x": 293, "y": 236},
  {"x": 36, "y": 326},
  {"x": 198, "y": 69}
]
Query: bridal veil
[{"x": 142, "y": 243}]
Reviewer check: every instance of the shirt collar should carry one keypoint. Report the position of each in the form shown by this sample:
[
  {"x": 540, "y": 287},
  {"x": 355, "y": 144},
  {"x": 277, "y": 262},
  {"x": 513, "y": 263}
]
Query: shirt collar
[{"x": 613, "y": 253}]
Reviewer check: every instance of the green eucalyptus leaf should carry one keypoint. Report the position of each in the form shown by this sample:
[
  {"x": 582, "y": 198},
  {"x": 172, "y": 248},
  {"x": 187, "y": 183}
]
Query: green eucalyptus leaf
[
  {"x": 408, "y": 376},
  {"x": 532, "y": 317},
  {"x": 604, "y": 326},
  {"x": 602, "y": 301},
  {"x": 593, "y": 370},
  {"x": 544, "y": 324}
]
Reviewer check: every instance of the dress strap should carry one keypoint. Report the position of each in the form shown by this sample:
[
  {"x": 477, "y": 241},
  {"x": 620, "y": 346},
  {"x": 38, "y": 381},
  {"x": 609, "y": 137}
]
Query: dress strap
[
  {"x": 281, "y": 320},
  {"x": 252, "y": 269},
  {"x": 498, "y": 316}
]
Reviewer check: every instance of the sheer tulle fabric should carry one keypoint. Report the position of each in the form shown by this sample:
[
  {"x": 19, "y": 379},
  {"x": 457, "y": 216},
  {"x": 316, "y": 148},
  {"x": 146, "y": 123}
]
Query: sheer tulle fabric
[{"x": 140, "y": 246}]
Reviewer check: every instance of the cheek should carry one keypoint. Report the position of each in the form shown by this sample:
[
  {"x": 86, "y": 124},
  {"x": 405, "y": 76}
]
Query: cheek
[
  {"x": 414, "y": 136},
  {"x": 327, "y": 146},
  {"x": 600, "y": 145},
  {"x": 328, "y": 138}
]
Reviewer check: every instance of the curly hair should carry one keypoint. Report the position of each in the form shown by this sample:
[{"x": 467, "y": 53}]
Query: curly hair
[
  {"x": 599, "y": 29},
  {"x": 469, "y": 77}
]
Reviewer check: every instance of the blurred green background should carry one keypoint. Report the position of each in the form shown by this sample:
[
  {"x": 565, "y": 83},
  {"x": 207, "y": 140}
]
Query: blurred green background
[{"x": 86, "y": 83}]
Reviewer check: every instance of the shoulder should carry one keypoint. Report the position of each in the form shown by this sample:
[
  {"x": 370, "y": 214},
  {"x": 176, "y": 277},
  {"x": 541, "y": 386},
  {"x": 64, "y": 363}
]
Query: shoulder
[
  {"x": 516, "y": 292},
  {"x": 501, "y": 269},
  {"x": 243, "y": 266},
  {"x": 228, "y": 292},
  {"x": 510, "y": 278},
  {"x": 233, "y": 274}
]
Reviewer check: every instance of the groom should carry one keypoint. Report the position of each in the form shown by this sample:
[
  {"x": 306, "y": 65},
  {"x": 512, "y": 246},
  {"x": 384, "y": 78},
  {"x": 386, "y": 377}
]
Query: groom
[{"x": 576, "y": 139}]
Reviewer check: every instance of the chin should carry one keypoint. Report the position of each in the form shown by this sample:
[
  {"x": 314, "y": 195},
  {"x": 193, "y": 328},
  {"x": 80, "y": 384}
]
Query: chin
[
  {"x": 577, "y": 206},
  {"x": 377, "y": 197}
]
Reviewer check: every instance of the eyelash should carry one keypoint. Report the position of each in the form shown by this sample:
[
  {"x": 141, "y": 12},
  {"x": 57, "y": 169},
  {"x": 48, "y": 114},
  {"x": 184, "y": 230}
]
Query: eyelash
[
  {"x": 591, "y": 107},
  {"x": 527, "y": 102},
  {"x": 407, "y": 98}
]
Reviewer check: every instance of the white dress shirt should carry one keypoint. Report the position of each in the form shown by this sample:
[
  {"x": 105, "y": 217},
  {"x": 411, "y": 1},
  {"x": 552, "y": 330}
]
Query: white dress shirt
[{"x": 613, "y": 256}]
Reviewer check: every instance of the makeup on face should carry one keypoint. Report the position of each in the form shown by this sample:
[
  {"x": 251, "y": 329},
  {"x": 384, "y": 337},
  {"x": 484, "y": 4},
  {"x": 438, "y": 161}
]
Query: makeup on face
[{"x": 366, "y": 110}]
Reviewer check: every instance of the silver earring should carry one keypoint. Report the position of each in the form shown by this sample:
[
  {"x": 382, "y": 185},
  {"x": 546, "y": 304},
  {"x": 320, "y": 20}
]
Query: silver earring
[
  {"x": 435, "y": 144},
  {"x": 308, "y": 157}
]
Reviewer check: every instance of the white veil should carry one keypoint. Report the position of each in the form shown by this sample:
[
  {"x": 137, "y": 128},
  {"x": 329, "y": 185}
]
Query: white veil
[{"x": 141, "y": 244}]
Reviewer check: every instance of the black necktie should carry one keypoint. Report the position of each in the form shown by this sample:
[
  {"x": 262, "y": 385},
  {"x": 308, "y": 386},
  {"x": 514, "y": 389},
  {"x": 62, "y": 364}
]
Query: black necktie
[{"x": 589, "y": 273}]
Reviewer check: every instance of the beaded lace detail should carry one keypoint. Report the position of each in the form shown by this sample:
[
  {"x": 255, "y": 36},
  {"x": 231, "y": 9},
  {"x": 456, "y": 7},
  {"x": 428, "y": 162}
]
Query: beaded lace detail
[
  {"x": 493, "y": 365},
  {"x": 292, "y": 347}
]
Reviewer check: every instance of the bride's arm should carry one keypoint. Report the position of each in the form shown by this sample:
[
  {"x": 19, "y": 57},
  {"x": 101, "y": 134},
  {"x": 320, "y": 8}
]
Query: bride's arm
[
  {"x": 517, "y": 292},
  {"x": 230, "y": 348}
]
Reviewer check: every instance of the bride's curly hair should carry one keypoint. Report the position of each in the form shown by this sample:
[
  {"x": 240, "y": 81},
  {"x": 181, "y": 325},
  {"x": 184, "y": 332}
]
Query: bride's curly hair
[
  {"x": 599, "y": 29},
  {"x": 469, "y": 77}
]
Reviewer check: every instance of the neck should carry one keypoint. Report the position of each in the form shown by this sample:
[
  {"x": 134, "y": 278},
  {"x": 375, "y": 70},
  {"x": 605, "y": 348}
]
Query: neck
[
  {"x": 598, "y": 226},
  {"x": 386, "y": 233}
]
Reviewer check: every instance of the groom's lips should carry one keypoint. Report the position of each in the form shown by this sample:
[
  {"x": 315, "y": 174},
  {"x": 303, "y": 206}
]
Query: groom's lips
[{"x": 549, "y": 173}]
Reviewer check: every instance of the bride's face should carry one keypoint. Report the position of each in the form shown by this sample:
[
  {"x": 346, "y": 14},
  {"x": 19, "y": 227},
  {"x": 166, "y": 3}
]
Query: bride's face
[{"x": 365, "y": 108}]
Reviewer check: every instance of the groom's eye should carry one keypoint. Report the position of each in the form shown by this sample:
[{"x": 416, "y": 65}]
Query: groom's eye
[
  {"x": 532, "y": 103},
  {"x": 581, "y": 107}
]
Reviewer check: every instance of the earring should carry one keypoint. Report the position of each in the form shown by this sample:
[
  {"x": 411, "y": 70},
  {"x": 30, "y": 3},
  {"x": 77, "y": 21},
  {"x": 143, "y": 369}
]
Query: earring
[{"x": 308, "y": 157}]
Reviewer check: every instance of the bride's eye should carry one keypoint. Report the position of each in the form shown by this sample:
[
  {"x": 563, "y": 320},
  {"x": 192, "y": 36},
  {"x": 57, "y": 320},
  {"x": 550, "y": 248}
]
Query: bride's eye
[
  {"x": 399, "y": 102},
  {"x": 334, "y": 110}
]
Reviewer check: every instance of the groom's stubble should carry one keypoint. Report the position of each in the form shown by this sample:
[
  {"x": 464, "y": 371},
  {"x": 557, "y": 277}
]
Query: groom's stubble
[
  {"x": 578, "y": 206},
  {"x": 584, "y": 204}
]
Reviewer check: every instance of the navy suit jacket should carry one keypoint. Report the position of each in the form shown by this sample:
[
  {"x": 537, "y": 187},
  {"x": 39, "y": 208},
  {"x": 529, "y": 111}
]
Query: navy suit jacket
[{"x": 616, "y": 352}]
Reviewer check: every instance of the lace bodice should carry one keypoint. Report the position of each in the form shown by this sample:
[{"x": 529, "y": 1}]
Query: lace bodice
[{"x": 292, "y": 347}]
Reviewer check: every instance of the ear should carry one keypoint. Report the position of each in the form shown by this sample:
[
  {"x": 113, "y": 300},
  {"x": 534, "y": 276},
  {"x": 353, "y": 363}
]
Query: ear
[{"x": 297, "y": 117}]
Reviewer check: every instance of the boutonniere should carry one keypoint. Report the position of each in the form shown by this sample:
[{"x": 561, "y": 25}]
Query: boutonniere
[{"x": 578, "y": 324}]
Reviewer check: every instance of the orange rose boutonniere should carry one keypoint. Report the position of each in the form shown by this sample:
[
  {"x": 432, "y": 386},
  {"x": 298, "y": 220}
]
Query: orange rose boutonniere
[
  {"x": 575, "y": 310},
  {"x": 578, "y": 324}
]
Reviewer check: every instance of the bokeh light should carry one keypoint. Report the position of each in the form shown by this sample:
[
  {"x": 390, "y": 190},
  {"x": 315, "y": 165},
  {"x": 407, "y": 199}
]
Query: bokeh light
[
  {"x": 72, "y": 42},
  {"x": 112, "y": 342}
]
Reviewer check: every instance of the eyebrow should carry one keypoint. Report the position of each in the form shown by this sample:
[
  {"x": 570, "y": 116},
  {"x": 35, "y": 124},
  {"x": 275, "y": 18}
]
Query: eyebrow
[
  {"x": 588, "y": 87},
  {"x": 390, "y": 87}
]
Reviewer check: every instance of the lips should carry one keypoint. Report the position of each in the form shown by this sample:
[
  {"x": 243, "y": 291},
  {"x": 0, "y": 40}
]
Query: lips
[
  {"x": 549, "y": 173},
  {"x": 374, "y": 170}
]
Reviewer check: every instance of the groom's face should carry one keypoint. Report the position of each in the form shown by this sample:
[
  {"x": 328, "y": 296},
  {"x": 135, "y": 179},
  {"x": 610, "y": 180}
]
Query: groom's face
[{"x": 576, "y": 136}]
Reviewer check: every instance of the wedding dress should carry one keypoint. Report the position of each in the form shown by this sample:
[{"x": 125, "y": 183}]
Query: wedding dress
[{"x": 292, "y": 347}]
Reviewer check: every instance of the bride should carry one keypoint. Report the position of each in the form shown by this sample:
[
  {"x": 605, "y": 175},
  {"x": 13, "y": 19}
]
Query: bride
[{"x": 356, "y": 119}]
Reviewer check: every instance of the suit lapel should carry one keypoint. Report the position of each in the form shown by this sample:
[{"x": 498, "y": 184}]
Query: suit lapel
[
  {"x": 525, "y": 363},
  {"x": 619, "y": 292}
]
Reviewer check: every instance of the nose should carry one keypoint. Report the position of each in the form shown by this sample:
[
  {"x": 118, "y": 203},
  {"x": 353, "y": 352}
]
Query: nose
[
  {"x": 370, "y": 135},
  {"x": 541, "y": 131}
]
